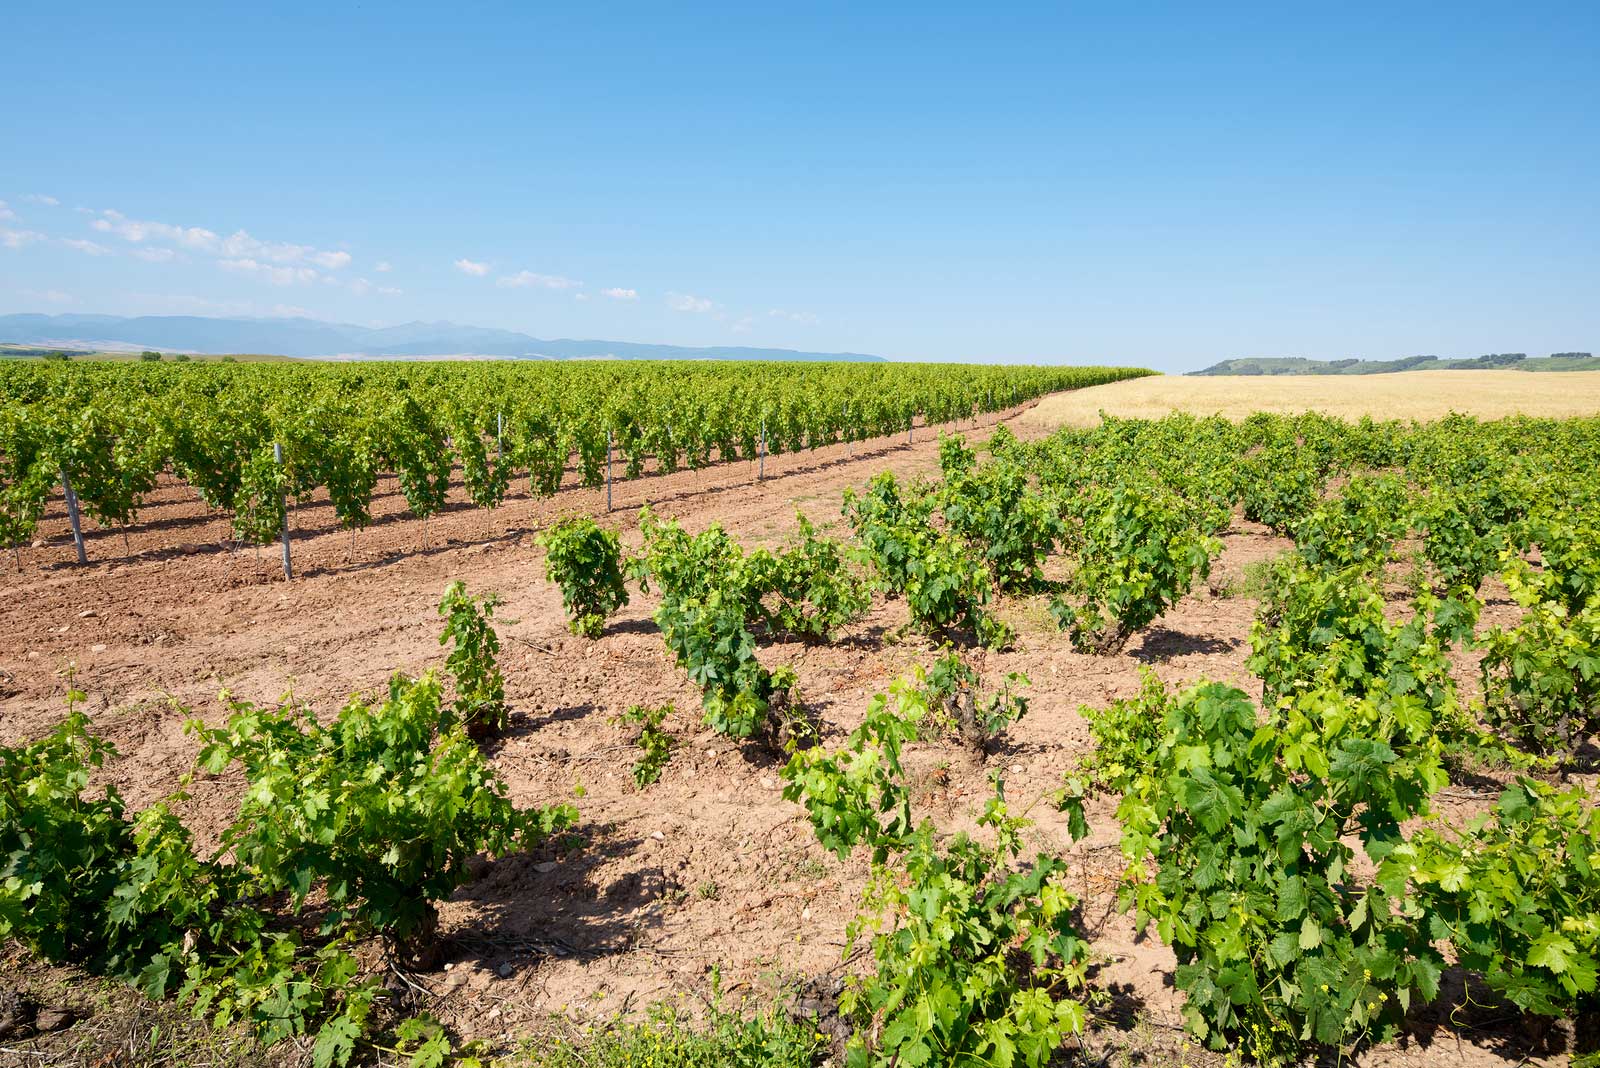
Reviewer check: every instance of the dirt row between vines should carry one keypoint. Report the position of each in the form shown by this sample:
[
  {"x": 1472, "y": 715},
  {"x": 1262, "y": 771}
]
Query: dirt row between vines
[{"x": 708, "y": 869}]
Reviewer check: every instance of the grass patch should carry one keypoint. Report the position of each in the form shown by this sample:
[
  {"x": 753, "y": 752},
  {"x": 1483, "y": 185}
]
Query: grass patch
[
  {"x": 1251, "y": 582},
  {"x": 810, "y": 870},
  {"x": 115, "y": 1024},
  {"x": 667, "y": 1039}
]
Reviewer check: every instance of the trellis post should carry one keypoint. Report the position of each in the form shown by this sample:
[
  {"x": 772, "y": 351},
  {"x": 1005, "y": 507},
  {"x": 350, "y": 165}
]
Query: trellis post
[
  {"x": 72, "y": 515},
  {"x": 283, "y": 507}
]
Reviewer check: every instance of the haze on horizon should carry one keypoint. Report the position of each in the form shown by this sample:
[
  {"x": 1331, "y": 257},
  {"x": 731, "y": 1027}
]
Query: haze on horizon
[{"x": 1168, "y": 187}]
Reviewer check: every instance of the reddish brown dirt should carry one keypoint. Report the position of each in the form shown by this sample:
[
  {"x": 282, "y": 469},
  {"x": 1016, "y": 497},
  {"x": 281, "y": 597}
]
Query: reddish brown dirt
[{"x": 708, "y": 868}]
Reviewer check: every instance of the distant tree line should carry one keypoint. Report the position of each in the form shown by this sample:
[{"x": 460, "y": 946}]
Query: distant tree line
[{"x": 1298, "y": 365}]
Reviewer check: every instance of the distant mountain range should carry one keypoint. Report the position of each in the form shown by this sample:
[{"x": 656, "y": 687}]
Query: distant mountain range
[
  {"x": 1299, "y": 365},
  {"x": 312, "y": 338}
]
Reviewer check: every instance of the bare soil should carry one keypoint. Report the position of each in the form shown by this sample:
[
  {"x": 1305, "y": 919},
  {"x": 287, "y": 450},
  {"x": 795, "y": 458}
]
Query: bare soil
[{"x": 709, "y": 868}]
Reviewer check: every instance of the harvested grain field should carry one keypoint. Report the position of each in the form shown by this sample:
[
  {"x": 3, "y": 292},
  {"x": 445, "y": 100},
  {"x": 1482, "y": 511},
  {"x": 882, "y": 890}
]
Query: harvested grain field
[{"x": 1409, "y": 395}]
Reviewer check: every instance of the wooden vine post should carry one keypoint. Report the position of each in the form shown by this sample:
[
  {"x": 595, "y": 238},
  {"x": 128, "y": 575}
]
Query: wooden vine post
[
  {"x": 283, "y": 508},
  {"x": 72, "y": 515},
  {"x": 608, "y": 470}
]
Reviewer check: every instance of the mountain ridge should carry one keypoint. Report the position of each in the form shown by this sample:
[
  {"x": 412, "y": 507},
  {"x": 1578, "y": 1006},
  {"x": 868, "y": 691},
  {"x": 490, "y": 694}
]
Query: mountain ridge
[{"x": 313, "y": 338}]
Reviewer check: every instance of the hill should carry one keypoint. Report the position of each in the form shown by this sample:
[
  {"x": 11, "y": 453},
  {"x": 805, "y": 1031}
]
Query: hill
[
  {"x": 313, "y": 338},
  {"x": 1298, "y": 365}
]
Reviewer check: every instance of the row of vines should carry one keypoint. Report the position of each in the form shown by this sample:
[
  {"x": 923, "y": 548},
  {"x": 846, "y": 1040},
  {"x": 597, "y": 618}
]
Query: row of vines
[{"x": 110, "y": 430}]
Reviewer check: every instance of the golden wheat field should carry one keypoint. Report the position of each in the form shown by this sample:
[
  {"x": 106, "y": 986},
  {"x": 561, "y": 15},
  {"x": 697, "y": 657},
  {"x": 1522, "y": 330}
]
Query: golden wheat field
[{"x": 1409, "y": 395}]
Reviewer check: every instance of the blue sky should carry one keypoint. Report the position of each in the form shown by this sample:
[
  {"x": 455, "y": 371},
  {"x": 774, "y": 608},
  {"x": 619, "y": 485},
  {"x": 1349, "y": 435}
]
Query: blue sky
[{"x": 1166, "y": 185}]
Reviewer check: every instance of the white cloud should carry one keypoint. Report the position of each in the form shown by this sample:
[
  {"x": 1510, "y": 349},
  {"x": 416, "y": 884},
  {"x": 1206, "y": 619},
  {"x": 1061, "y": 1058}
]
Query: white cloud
[
  {"x": 18, "y": 238},
  {"x": 40, "y": 198},
  {"x": 279, "y": 262},
  {"x": 241, "y": 245},
  {"x": 278, "y": 276},
  {"x": 362, "y": 286},
  {"x": 618, "y": 293},
  {"x": 793, "y": 316},
  {"x": 687, "y": 302},
  {"x": 87, "y": 247},
  {"x": 5, "y": 212},
  {"x": 580, "y": 296},
  {"x": 476, "y": 270},
  {"x": 743, "y": 325},
  {"x": 525, "y": 279},
  {"x": 383, "y": 267},
  {"x": 47, "y": 296},
  {"x": 136, "y": 231}
]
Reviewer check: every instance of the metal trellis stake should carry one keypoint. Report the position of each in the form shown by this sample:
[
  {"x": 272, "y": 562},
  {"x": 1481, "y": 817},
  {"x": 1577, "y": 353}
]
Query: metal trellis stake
[
  {"x": 499, "y": 435},
  {"x": 283, "y": 507},
  {"x": 72, "y": 515}
]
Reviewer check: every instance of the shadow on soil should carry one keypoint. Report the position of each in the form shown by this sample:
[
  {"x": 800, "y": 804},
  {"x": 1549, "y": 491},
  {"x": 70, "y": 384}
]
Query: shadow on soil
[
  {"x": 633, "y": 626},
  {"x": 1468, "y": 1011},
  {"x": 1162, "y": 643},
  {"x": 523, "y": 725},
  {"x": 565, "y": 904}
]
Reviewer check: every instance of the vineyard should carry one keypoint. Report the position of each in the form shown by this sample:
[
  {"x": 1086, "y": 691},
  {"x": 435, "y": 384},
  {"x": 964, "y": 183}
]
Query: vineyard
[
  {"x": 1178, "y": 739},
  {"x": 249, "y": 438}
]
